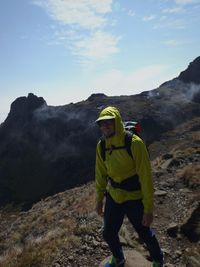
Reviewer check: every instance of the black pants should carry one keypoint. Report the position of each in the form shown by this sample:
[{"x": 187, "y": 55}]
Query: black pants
[{"x": 113, "y": 218}]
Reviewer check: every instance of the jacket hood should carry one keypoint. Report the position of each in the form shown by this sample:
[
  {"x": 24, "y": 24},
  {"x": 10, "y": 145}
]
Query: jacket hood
[{"x": 112, "y": 113}]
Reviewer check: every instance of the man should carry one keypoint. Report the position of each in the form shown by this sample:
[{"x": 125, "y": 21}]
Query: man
[{"x": 126, "y": 183}]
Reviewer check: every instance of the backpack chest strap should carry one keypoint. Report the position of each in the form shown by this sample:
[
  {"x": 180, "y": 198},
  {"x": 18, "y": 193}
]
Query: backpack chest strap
[{"x": 129, "y": 184}]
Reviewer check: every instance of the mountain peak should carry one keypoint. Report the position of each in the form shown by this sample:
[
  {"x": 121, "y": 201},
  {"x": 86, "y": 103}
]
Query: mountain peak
[
  {"x": 23, "y": 107},
  {"x": 192, "y": 73}
]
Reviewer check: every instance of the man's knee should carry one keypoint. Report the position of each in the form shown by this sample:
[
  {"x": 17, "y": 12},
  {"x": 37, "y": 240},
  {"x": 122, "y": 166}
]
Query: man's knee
[{"x": 146, "y": 234}]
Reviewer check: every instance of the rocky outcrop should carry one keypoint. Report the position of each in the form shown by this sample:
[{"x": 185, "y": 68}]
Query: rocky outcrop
[
  {"x": 21, "y": 111},
  {"x": 192, "y": 73}
]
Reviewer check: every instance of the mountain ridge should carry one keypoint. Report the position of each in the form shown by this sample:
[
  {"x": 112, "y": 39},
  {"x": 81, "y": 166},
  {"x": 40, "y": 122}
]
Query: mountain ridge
[{"x": 43, "y": 148}]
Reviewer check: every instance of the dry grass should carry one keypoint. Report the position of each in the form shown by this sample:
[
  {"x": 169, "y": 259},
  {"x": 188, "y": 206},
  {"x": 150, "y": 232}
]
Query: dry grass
[
  {"x": 38, "y": 250},
  {"x": 34, "y": 238},
  {"x": 190, "y": 175}
]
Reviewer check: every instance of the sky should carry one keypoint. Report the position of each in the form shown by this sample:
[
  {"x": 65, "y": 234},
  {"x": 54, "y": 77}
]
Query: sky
[{"x": 66, "y": 50}]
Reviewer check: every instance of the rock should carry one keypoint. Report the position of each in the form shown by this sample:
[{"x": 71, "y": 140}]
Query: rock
[
  {"x": 158, "y": 174},
  {"x": 166, "y": 251},
  {"x": 166, "y": 164},
  {"x": 98, "y": 96},
  {"x": 192, "y": 73},
  {"x": 71, "y": 258},
  {"x": 178, "y": 253},
  {"x": 133, "y": 258},
  {"x": 95, "y": 243},
  {"x": 174, "y": 163},
  {"x": 160, "y": 193},
  {"x": 185, "y": 190},
  {"x": 191, "y": 228},
  {"x": 123, "y": 241},
  {"x": 193, "y": 262},
  {"x": 167, "y": 156},
  {"x": 172, "y": 229}
]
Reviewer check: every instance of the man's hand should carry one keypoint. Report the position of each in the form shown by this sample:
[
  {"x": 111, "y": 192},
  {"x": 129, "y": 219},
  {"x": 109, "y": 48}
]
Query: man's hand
[
  {"x": 99, "y": 208},
  {"x": 147, "y": 219}
]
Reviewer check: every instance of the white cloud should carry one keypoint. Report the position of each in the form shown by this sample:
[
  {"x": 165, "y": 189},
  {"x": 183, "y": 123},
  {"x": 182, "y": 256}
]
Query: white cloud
[
  {"x": 85, "y": 27},
  {"x": 115, "y": 82},
  {"x": 185, "y": 2},
  {"x": 84, "y": 13},
  {"x": 98, "y": 46},
  {"x": 149, "y": 18},
  {"x": 178, "y": 24},
  {"x": 173, "y": 10}
]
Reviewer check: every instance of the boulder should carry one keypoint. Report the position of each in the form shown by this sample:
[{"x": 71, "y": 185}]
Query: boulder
[
  {"x": 133, "y": 258},
  {"x": 191, "y": 228},
  {"x": 172, "y": 229}
]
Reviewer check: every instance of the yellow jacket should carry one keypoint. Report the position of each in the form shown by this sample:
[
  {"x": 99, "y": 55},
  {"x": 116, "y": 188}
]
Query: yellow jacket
[{"x": 119, "y": 165}]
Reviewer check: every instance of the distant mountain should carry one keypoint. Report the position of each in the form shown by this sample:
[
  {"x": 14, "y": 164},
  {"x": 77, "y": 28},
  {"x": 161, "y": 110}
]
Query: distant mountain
[{"x": 46, "y": 149}]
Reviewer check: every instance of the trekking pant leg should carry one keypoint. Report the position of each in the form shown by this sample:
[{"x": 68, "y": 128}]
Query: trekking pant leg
[
  {"x": 113, "y": 219},
  {"x": 135, "y": 210}
]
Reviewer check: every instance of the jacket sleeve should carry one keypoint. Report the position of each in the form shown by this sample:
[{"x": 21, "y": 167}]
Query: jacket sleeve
[
  {"x": 100, "y": 175},
  {"x": 143, "y": 169}
]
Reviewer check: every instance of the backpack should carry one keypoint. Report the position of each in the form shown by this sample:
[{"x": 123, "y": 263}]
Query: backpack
[{"x": 131, "y": 127}]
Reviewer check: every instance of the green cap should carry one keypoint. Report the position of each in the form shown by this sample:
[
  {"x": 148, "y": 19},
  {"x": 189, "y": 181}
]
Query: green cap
[{"x": 106, "y": 117}]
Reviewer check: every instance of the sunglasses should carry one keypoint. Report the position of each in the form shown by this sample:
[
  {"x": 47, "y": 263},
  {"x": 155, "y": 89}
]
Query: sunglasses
[{"x": 106, "y": 122}]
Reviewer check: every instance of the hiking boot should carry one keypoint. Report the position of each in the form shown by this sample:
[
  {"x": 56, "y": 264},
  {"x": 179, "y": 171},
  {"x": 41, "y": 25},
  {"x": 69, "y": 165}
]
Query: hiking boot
[
  {"x": 156, "y": 264},
  {"x": 114, "y": 262}
]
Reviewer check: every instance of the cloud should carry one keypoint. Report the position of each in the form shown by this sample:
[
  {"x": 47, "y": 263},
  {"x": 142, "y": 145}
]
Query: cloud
[
  {"x": 83, "y": 13},
  {"x": 173, "y": 10},
  {"x": 149, "y": 18},
  {"x": 178, "y": 24},
  {"x": 84, "y": 23},
  {"x": 116, "y": 82},
  {"x": 185, "y": 2},
  {"x": 97, "y": 46}
]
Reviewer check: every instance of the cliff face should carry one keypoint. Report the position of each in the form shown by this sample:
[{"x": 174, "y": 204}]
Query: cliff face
[
  {"x": 192, "y": 73},
  {"x": 45, "y": 149}
]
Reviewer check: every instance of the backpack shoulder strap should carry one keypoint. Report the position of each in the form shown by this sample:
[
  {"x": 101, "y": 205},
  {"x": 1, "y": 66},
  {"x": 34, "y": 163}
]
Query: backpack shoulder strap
[
  {"x": 103, "y": 148},
  {"x": 128, "y": 141},
  {"x": 127, "y": 145}
]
